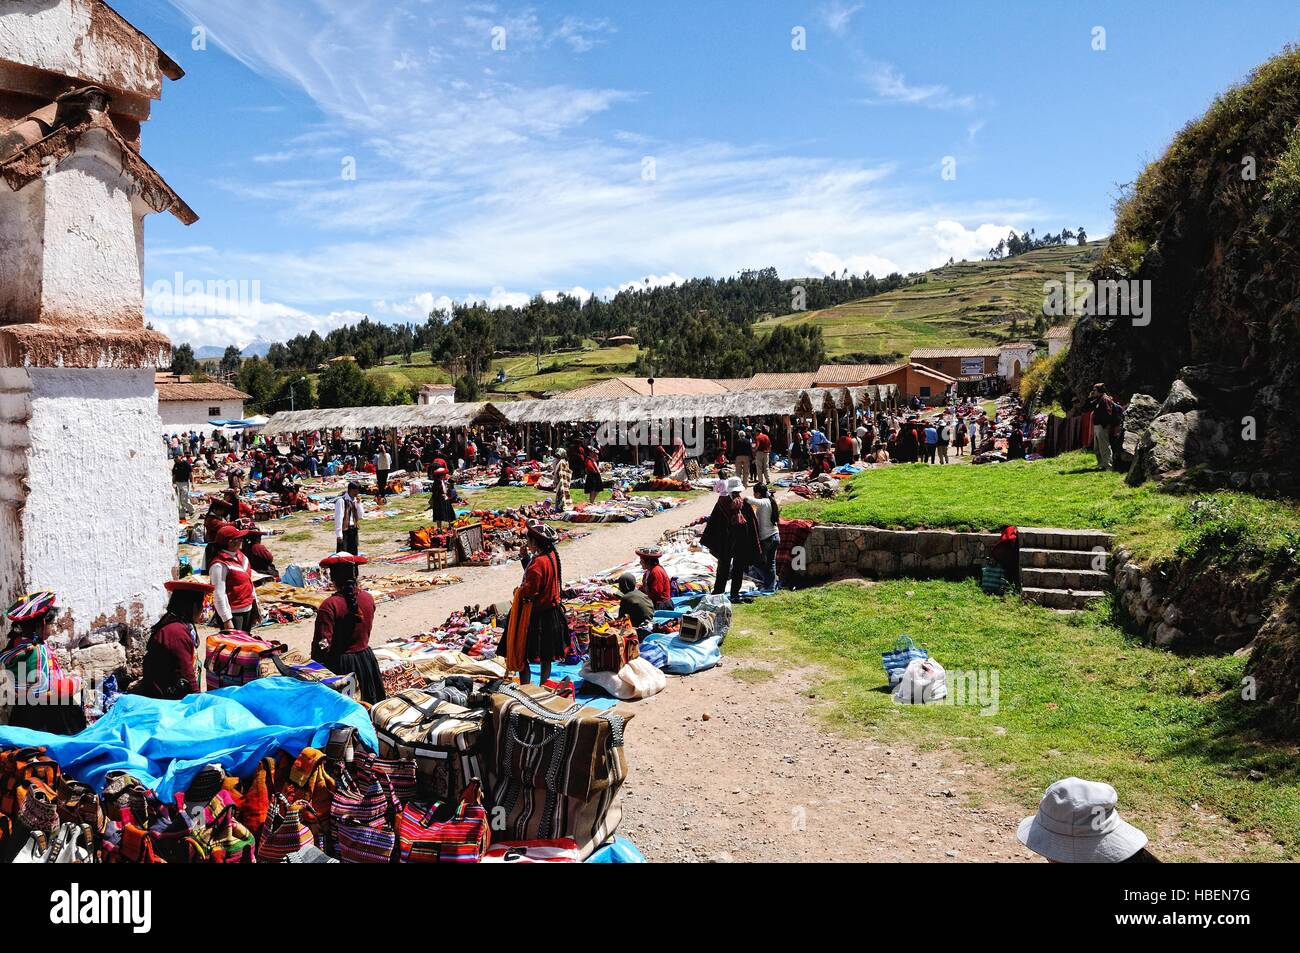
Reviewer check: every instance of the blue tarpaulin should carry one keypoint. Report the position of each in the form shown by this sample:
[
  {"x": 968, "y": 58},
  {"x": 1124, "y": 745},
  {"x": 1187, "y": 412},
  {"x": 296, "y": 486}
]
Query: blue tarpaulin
[{"x": 165, "y": 743}]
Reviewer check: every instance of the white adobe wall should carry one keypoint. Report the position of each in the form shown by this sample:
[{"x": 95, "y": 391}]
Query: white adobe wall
[
  {"x": 178, "y": 415},
  {"x": 86, "y": 504},
  {"x": 22, "y": 223},
  {"x": 95, "y": 268},
  {"x": 1008, "y": 356}
]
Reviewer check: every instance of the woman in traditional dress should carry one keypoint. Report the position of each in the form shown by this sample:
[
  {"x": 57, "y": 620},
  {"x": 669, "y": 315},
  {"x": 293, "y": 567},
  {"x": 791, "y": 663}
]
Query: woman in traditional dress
[
  {"x": 654, "y": 578},
  {"x": 537, "y": 629},
  {"x": 444, "y": 511},
  {"x": 231, "y": 575},
  {"x": 563, "y": 482},
  {"x": 170, "y": 668},
  {"x": 343, "y": 623},
  {"x": 44, "y": 698},
  {"x": 592, "y": 482}
]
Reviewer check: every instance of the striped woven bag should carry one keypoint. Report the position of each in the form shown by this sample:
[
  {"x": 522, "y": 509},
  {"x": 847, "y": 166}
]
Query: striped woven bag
[
  {"x": 463, "y": 839},
  {"x": 284, "y": 832},
  {"x": 361, "y": 820}
]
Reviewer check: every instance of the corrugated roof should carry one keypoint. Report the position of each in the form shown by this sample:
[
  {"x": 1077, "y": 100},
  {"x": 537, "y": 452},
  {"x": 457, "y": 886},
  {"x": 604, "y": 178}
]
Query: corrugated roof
[
  {"x": 189, "y": 390},
  {"x": 953, "y": 352}
]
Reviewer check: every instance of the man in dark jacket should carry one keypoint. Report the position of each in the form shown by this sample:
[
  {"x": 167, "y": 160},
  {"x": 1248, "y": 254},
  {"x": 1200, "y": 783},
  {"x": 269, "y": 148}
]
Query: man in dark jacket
[
  {"x": 1105, "y": 415},
  {"x": 731, "y": 535}
]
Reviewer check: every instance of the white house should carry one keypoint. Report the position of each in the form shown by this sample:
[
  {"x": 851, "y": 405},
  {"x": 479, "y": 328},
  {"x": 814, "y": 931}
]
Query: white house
[
  {"x": 186, "y": 404},
  {"x": 1013, "y": 358},
  {"x": 77, "y": 363},
  {"x": 437, "y": 394},
  {"x": 1058, "y": 339}
]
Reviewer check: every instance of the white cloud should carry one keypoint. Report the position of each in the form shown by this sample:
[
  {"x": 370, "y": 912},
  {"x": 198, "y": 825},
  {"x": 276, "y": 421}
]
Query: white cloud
[
  {"x": 956, "y": 241},
  {"x": 472, "y": 176},
  {"x": 891, "y": 87},
  {"x": 837, "y": 15},
  {"x": 824, "y": 263}
]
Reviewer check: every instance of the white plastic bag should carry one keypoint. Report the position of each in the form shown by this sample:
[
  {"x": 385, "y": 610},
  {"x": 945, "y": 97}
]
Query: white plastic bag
[
  {"x": 923, "y": 683},
  {"x": 637, "y": 679},
  {"x": 57, "y": 848}
]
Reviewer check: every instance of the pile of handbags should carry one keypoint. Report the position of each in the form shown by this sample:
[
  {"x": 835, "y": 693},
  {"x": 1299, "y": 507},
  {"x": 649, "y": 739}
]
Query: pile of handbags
[
  {"x": 515, "y": 774},
  {"x": 237, "y": 658}
]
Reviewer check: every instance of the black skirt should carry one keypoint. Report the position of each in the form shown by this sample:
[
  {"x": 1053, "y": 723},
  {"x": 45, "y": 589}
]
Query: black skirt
[
  {"x": 365, "y": 667},
  {"x": 548, "y": 635},
  {"x": 594, "y": 483},
  {"x": 443, "y": 510},
  {"x": 65, "y": 719}
]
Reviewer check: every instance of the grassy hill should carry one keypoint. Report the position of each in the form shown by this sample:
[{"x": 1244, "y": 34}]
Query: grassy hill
[
  {"x": 963, "y": 305},
  {"x": 967, "y": 305}
]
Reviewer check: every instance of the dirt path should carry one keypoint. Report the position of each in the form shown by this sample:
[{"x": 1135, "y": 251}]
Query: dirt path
[{"x": 762, "y": 780}]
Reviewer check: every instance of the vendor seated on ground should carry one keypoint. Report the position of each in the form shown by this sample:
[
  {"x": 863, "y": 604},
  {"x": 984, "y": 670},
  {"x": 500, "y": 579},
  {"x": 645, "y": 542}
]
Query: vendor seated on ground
[
  {"x": 259, "y": 557},
  {"x": 1077, "y": 823},
  {"x": 654, "y": 578},
  {"x": 44, "y": 698},
  {"x": 170, "y": 668},
  {"x": 343, "y": 622},
  {"x": 633, "y": 604}
]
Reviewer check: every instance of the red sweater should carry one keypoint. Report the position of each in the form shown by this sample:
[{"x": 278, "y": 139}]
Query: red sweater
[
  {"x": 541, "y": 585},
  {"x": 342, "y": 632},
  {"x": 656, "y": 585},
  {"x": 168, "y": 669}
]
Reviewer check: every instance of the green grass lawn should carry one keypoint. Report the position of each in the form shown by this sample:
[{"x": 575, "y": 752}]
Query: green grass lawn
[
  {"x": 1075, "y": 696},
  {"x": 1066, "y": 491},
  {"x": 961, "y": 305}
]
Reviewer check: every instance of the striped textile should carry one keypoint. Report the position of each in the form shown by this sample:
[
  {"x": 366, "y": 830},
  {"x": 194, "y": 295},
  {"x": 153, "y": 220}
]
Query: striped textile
[{"x": 463, "y": 839}]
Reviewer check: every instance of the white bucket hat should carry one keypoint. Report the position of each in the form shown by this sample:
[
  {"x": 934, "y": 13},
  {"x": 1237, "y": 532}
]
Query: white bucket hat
[
  {"x": 1077, "y": 823},
  {"x": 734, "y": 485}
]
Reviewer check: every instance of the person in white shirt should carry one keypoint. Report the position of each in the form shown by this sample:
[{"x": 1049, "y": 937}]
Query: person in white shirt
[
  {"x": 383, "y": 466},
  {"x": 769, "y": 533},
  {"x": 348, "y": 514}
]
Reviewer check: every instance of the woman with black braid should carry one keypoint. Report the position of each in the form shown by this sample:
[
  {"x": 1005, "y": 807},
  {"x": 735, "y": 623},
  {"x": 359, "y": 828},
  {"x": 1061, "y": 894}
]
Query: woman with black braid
[{"x": 342, "y": 639}]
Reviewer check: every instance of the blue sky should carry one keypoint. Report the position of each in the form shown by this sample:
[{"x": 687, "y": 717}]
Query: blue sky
[{"x": 611, "y": 143}]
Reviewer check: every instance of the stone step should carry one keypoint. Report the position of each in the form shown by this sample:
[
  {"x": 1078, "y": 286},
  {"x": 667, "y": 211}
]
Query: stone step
[
  {"x": 1062, "y": 598},
  {"x": 1087, "y": 580},
  {"x": 1041, "y": 537},
  {"x": 1031, "y": 558}
]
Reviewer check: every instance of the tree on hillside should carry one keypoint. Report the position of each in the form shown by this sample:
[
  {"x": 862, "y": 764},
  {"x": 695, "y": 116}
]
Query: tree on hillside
[
  {"x": 344, "y": 384},
  {"x": 365, "y": 355},
  {"x": 278, "y": 356},
  {"x": 230, "y": 361},
  {"x": 1083, "y": 236},
  {"x": 183, "y": 360}
]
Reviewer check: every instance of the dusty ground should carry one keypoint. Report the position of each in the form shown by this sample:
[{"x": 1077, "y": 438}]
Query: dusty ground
[{"x": 759, "y": 779}]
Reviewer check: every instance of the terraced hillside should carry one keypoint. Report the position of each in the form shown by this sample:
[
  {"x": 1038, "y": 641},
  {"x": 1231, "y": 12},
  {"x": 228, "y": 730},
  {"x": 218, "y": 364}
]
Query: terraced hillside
[{"x": 961, "y": 305}]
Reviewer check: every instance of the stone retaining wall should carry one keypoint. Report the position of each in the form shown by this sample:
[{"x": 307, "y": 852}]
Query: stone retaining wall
[{"x": 830, "y": 550}]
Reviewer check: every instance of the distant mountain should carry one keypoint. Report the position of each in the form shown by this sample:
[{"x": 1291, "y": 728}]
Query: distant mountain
[{"x": 257, "y": 349}]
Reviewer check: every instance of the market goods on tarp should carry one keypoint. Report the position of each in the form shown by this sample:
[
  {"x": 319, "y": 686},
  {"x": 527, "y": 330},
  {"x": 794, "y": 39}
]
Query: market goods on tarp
[
  {"x": 543, "y": 740},
  {"x": 362, "y": 817},
  {"x": 447, "y": 742},
  {"x": 234, "y": 658},
  {"x": 395, "y": 774},
  {"x": 524, "y": 813},
  {"x": 612, "y": 645},
  {"x": 697, "y": 626},
  {"x": 224, "y": 841},
  {"x": 284, "y": 832},
  {"x": 461, "y": 839},
  {"x": 20, "y": 770},
  {"x": 294, "y": 664}
]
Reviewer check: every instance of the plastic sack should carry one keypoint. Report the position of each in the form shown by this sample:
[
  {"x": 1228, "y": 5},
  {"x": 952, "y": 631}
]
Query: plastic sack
[
  {"x": 687, "y": 658},
  {"x": 720, "y": 605},
  {"x": 896, "y": 660},
  {"x": 636, "y": 679},
  {"x": 924, "y": 682},
  {"x": 618, "y": 851}
]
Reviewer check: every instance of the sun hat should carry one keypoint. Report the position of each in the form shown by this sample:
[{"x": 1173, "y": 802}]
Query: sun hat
[
  {"x": 343, "y": 559},
  {"x": 31, "y": 606},
  {"x": 188, "y": 585},
  {"x": 734, "y": 485},
  {"x": 541, "y": 532},
  {"x": 1077, "y": 823},
  {"x": 229, "y": 533}
]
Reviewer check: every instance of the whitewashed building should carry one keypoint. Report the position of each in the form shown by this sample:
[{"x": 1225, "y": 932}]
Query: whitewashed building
[
  {"x": 436, "y": 394},
  {"x": 86, "y": 505},
  {"x": 186, "y": 404},
  {"x": 1058, "y": 338}
]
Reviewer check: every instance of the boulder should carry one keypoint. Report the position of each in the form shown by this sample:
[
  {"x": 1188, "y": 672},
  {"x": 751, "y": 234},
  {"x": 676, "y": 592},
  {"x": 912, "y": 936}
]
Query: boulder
[{"x": 1138, "y": 415}]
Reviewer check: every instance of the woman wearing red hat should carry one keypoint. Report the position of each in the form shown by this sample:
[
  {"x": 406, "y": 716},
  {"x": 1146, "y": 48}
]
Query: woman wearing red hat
[
  {"x": 171, "y": 657},
  {"x": 537, "y": 629},
  {"x": 232, "y": 579},
  {"x": 44, "y": 698},
  {"x": 444, "y": 511},
  {"x": 654, "y": 580},
  {"x": 343, "y": 623}
]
